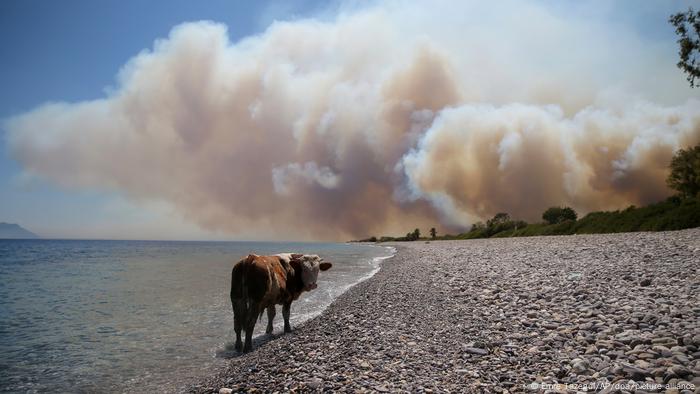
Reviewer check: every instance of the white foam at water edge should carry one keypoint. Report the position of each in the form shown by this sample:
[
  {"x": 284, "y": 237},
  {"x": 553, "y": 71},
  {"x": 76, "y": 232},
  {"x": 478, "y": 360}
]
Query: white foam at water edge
[
  {"x": 376, "y": 262},
  {"x": 302, "y": 317}
]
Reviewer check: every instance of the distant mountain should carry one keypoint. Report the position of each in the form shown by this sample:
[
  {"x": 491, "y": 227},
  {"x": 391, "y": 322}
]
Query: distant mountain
[{"x": 15, "y": 231}]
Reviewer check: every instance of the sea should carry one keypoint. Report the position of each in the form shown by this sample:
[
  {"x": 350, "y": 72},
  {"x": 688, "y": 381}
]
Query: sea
[{"x": 136, "y": 316}]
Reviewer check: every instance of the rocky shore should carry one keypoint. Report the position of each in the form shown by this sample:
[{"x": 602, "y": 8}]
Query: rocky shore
[{"x": 610, "y": 313}]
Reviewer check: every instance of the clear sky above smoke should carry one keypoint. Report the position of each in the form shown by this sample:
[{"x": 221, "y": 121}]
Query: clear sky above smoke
[{"x": 336, "y": 121}]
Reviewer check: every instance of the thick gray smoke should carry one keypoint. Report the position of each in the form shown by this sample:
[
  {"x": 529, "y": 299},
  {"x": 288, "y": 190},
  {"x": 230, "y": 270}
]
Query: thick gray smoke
[{"x": 376, "y": 122}]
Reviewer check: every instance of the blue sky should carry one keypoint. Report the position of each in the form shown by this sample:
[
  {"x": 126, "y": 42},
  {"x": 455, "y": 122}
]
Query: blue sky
[{"x": 71, "y": 51}]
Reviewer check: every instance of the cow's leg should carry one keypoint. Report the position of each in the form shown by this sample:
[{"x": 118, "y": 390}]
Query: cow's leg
[
  {"x": 271, "y": 311},
  {"x": 238, "y": 320},
  {"x": 253, "y": 313},
  {"x": 286, "y": 307}
]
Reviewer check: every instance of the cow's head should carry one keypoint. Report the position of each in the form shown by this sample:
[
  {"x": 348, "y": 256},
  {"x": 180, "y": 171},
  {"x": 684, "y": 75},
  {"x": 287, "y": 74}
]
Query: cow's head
[{"x": 310, "y": 265}]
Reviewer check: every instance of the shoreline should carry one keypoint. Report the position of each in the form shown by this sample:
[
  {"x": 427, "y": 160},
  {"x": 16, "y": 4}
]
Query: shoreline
[{"x": 490, "y": 315}]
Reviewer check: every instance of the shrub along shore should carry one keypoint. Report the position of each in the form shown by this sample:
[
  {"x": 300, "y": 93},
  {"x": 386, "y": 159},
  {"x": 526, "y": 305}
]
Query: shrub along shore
[{"x": 674, "y": 213}]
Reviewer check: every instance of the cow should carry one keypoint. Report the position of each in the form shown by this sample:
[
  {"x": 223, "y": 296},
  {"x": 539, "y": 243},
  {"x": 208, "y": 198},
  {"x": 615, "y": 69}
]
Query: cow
[{"x": 261, "y": 282}]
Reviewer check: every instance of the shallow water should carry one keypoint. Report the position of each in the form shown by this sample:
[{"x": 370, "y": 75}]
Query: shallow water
[{"x": 87, "y": 316}]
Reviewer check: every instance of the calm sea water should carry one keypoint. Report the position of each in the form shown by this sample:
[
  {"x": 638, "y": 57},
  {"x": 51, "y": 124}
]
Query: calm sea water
[{"x": 113, "y": 316}]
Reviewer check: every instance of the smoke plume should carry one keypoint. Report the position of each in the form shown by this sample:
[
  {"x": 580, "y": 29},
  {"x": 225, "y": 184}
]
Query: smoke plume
[{"x": 376, "y": 122}]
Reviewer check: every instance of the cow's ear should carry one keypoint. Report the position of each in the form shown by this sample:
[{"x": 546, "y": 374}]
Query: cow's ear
[
  {"x": 325, "y": 266},
  {"x": 297, "y": 255}
]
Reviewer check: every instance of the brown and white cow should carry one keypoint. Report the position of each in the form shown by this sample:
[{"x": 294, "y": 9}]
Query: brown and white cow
[{"x": 261, "y": 282}]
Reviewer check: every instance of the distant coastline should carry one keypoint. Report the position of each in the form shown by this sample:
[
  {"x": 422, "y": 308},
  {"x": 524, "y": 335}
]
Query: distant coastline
[{"x": 15, "y": 231}]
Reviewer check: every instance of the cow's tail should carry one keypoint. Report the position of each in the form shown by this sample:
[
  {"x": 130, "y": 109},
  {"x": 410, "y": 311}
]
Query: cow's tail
[{"x": 240, "y": 299}]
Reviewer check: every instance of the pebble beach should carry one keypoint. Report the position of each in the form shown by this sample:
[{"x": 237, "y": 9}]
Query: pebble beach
[{"x": 597, "y": 313}]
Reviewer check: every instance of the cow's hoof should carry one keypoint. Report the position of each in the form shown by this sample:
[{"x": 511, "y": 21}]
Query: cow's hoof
[
  {"x": 238, "y": 347},
  {"x": 268, "y": 331},
  {"x": 288, "y": 329}
]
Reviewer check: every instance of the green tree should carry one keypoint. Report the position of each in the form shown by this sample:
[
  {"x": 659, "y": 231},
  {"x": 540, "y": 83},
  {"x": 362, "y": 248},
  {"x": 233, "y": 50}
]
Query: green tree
[
  {"x": 551, "y": 215},
  {"x": 685, "y": 172},
  {"x": 555, "y": 215},
  {"x": 687, "y": 26},
  {"x": 416, "y": 234},
  {"x": 433, "y": 232},
  {"x": 499, "y": 218},
  {"x": 568, "y": 213}
]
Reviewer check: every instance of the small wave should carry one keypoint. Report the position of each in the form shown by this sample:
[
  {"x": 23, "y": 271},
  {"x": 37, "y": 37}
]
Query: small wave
[{"x": 376, "y": 263}]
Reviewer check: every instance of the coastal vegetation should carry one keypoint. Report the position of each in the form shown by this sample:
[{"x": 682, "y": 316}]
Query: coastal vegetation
[
  {"x": 677, "y": 212},
  {"x": 687, "y": 26}
]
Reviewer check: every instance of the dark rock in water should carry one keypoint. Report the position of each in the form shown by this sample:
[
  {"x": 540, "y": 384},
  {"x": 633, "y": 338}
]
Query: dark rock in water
[
  {"x": 645, "y": 282},
  {"x": 15, "y": 231}
]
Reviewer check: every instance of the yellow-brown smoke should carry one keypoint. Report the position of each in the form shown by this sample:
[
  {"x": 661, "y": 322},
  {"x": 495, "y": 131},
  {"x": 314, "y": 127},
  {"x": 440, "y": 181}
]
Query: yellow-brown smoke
[{"x": 375, "y": 123}]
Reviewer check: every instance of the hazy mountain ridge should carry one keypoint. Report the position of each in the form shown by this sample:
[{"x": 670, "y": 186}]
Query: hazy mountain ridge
[{"x": 12, "y": 230}]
